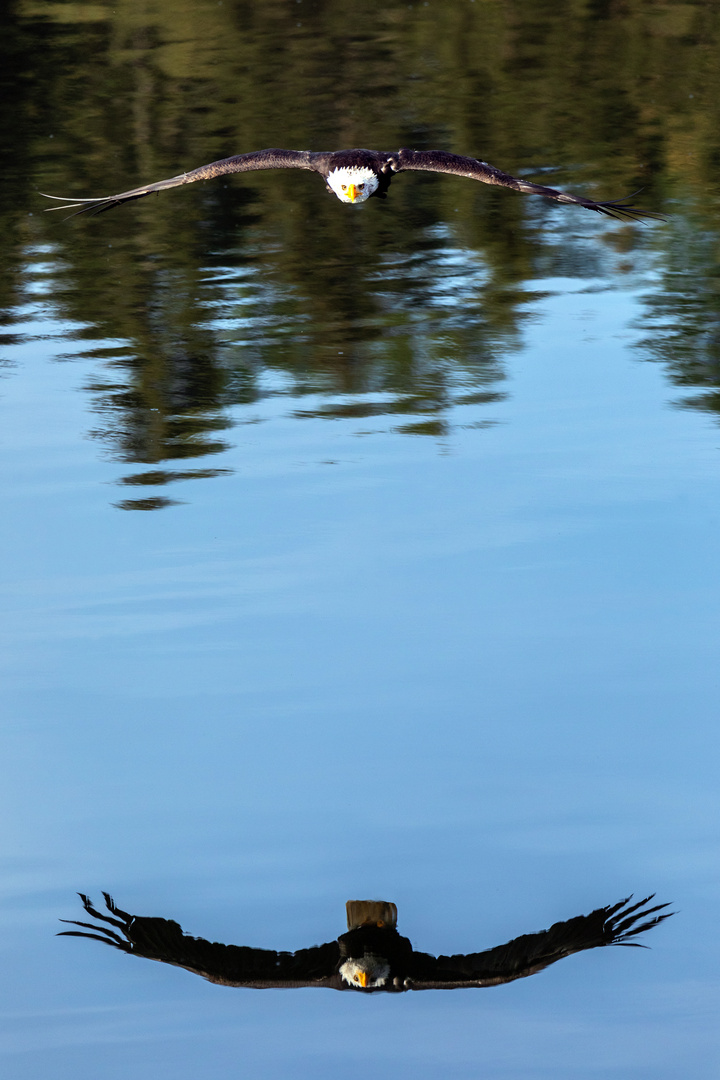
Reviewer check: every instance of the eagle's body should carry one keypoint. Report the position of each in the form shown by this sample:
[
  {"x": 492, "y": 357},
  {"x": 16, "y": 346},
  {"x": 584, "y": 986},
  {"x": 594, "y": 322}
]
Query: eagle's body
[
  {"x": 357, "y": 175},
  {"x": 372, "y": 955}
]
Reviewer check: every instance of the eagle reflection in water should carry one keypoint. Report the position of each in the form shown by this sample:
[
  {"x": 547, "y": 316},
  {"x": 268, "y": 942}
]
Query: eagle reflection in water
[{"x": 372, "y": 955}]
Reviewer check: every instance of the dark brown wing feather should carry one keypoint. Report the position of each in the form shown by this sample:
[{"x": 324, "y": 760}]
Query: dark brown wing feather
[
  {"x": 526, "y": 955},
  {"x": 229, "y": 965},
  {"x": 259, "y": 159},
  {"x": 442, "y": 162},
  {"x": 401, "y": 161}
]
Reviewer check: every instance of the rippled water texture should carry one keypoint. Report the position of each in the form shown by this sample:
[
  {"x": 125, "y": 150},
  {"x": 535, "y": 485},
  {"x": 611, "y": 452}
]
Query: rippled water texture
[{"x": 359, "y": 552}]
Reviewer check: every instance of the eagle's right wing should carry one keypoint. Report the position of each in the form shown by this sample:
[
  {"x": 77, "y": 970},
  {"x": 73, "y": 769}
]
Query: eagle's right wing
[
  {"x": 442, "y": 162},
  {"x": 526, "y": 955},
  {"x": 228, "y": 965}
]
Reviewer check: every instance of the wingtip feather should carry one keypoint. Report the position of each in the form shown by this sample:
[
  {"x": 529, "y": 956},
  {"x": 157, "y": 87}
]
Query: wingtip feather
[{"x": 622, "y": 922}]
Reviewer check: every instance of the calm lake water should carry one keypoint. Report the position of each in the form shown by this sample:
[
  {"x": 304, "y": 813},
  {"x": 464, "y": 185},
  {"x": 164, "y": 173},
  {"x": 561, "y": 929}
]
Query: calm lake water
[{"x": 360, "y": 552}]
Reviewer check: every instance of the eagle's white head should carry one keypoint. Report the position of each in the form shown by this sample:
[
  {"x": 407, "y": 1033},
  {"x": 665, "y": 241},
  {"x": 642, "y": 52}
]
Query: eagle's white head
[
  {"x": 370, "y": 973},
  {"x": 353, "y": 185}
]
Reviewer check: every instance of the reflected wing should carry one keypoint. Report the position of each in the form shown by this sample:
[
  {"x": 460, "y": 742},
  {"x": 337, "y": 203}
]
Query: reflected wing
[
  {"x": 259, "y": 159},
  {"x": 531, "y": 953},
  {"x": 442, "y": 162},
  {"x": 229, "y": 965}
]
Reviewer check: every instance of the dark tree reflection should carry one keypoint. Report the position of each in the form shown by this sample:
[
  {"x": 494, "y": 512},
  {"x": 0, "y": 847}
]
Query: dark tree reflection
[
  {"x": 210, "y": 298},
  {"x": 683, "y": 311}
]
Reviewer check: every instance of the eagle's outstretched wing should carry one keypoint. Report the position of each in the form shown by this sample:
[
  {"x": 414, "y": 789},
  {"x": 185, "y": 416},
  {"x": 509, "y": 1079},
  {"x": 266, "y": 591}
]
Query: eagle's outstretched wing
[
  {"x": 384, "y": 164},
  {"x": 229, "y": 965},
  {"x": 442, "y": 162},
  {"x": 526, "y": 955},
  {"x": 253, "y": 162}
]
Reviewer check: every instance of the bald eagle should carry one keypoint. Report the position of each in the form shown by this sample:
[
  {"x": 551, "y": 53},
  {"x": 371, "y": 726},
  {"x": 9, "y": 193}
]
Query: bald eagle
[
  {"x": 357, "y": 175},
  {"x": 371, "y": 956}
]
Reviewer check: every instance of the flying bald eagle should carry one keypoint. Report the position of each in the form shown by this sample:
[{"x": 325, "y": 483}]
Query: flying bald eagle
[
  {"x": 357, "y": 175},
  {"x": 371, "y": 956}
]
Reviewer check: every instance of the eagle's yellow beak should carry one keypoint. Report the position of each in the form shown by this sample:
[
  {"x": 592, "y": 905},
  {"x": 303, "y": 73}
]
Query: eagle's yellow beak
[
  {"x": 362, "y": 975},
  {"x": 352, "y": 194}
]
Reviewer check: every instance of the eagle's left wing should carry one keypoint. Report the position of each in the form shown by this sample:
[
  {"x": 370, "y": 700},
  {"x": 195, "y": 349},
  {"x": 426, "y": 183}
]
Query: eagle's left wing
[
  {"x": 612, "y": 925},
  {"x": 252, "y": 162},
  {"x": 442, "y": 162},
  {"x": 229, "y": 965}
]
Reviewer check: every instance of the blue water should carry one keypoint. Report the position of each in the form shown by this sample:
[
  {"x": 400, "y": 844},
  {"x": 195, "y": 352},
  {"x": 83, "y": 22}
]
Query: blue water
[{"x": 475, "y": 674}]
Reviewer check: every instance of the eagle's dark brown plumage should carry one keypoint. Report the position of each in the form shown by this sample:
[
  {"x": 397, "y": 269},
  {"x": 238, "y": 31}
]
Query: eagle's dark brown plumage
[
  {"x": 367, "y": 172},
  {"x": 372, "y": 955}
]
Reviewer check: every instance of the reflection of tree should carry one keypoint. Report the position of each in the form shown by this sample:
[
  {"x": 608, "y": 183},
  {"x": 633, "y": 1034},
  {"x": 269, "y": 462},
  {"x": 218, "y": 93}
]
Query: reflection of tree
[
  {"x": 408, "y": 329},
  {"x": 160, "y": 396},
  {"x": 228, "y": 292},
  {"x": 683, "y": 313}
]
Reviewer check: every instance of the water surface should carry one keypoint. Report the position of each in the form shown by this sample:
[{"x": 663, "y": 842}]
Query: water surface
[{"x": 360, "y": 553}]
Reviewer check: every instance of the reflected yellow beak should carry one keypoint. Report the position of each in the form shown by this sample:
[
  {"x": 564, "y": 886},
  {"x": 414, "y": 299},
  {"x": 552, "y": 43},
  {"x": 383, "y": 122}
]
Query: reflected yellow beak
[
  {"x": 352, "y": 192},
  {"x": 362, "y": 975}
]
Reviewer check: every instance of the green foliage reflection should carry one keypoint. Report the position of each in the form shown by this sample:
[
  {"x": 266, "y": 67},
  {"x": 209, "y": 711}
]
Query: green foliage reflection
[{"x": 403, "y": 308}]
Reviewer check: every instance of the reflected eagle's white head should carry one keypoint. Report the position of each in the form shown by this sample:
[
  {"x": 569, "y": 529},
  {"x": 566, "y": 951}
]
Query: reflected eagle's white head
[
  {"x": 370, "y": 973},
  {"x": 353, "y": 185}
]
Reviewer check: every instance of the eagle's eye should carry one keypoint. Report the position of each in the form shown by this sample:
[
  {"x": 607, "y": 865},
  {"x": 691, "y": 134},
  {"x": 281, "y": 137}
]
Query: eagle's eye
[
  {"x": 344, "y": 187},
  {"x": 361, "y": 187}
]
